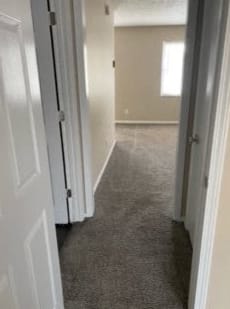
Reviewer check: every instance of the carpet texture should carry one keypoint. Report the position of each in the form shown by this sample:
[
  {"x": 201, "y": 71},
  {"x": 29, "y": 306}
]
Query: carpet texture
[{"x": 131, "y": 255}]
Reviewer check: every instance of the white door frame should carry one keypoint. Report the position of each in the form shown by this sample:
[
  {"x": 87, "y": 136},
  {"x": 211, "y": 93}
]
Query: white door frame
[
  {"x": 187, "y": 102},
  {"x": 53, "y": 125},
  {"x": 78, "y": 9},
  {"x": 208, "y": 78},
  {"x": 70, "y": 65},
  {"x": 206, "y": 226}
]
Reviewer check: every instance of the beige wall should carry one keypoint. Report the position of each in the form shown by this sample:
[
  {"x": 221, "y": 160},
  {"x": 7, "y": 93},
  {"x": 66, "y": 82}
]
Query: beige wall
[
  {"x": 100, "y": 54},
  {"x": 219, "y": 285},
  {"x": 138, "y": 52}
]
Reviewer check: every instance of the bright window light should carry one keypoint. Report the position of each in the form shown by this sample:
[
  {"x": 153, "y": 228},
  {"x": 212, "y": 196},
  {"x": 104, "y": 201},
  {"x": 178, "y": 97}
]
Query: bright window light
[{"x": 172, "y": 68}]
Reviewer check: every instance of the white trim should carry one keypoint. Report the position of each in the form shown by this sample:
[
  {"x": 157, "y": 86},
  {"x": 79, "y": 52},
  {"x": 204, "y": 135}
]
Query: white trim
[
  {"x": 206, "y": 229},
  {"x": 191, "y": 58},
  {"x": 57, "y": 163},
  {"x": 180, "y": 220},
  {"x": 70, "y": 65},
  {"x": 104, "y": 167},
  {"x": 123, "y": 25},
  {"x": 83, "y": 105},
  {"x": 148, "y": 24},
  {"x": 66, "y": 86},
  {"x": 147, "y": 122}
]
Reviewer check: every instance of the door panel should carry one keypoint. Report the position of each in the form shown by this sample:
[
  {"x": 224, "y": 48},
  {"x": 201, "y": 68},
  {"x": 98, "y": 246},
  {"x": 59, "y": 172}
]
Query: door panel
[
  {"x": 29, "y": 266},
  {"x": 39, "y": 265},
  {"x": 17, "y": 104},
  {"x": 208, "y": 77}
]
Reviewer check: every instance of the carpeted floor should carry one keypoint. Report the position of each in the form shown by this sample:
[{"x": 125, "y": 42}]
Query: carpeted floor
[{"x": 131, "y": 255}]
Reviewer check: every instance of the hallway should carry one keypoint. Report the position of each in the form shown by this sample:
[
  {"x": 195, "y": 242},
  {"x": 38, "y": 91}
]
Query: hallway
[{"x": 131, "y": 254}]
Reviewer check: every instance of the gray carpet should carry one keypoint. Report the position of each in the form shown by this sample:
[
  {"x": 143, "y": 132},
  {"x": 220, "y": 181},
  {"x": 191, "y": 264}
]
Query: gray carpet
[{"x": 131, "y": 255}]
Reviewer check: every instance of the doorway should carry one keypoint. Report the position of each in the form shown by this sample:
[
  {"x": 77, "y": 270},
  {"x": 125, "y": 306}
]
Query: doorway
[
  {"x": 132, "y": 175},
  {"x": 191, "y": 64},
  {"x": 67, "y": 140},
  {"x": 26, "y": 215}
]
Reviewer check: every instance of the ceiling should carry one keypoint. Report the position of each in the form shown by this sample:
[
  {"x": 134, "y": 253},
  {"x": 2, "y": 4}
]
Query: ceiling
[{"x": 150, "y": 12}]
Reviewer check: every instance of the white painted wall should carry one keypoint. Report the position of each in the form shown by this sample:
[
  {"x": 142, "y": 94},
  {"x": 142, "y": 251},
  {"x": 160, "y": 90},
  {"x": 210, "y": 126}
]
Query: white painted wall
[{"x": 100, "y": 80}]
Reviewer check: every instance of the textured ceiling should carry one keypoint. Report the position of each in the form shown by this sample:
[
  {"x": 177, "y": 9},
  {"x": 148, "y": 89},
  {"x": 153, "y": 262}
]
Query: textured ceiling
[{"x": 150, "y": 12}]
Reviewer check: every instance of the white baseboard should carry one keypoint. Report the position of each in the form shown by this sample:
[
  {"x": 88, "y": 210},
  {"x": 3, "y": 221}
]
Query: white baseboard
[
  {"x": 179, "y": 220},
  {"x": 104, "y": 167},
  {"x": 147, "y": 122}
]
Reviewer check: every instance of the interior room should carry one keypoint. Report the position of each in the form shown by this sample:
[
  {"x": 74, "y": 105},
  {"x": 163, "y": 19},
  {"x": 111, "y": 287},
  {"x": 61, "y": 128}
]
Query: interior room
[{"x": 115, "y": 142}]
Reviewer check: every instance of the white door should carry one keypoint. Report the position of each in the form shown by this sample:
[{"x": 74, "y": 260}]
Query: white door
[
  {"x": 205, "y": 108},
  {"x": 51, "y": 107},
  {"x": 29, "y": 266}
]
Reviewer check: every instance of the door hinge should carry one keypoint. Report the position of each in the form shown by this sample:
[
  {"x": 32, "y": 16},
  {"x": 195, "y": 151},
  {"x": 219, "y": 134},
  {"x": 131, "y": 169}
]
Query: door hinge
[
  {"x": 206, "y": 182},
  {"x": 68, "y": 193},
  {"x": 114, "y": 63},
  {"x": 53, "y": 19},
  {"x": 61, "y": 116},
  {"x": 194, "y": 139}
]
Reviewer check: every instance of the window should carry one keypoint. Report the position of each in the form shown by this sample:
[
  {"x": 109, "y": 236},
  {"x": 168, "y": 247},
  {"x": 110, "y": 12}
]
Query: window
[{"x": 172, "y": 68}]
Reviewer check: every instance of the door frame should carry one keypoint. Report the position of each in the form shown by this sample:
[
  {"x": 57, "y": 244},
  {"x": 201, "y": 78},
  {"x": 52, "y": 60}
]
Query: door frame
[
  {"x": 206, "y": 225},
  {"x": 79, "y": 22},
  {"x": 193, "y": 36},
  {"x": 191, "y": 212},
  {"x": 50, "y": 104},
  {"x": 69, "y": 64}
]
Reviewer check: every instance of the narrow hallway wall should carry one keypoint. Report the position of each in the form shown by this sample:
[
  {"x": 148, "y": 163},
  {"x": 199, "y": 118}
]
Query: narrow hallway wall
[{"x": 100, "y": 80}]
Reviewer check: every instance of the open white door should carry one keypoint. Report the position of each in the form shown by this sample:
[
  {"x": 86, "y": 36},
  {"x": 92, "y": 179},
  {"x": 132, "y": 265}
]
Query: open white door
[
  {"x": 208, "y": 83},
  {"x": 29, "y": 266}
]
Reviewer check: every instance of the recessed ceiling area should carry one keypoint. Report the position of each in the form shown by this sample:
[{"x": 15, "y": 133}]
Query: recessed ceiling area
[{"x": 150, "y": 12}]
